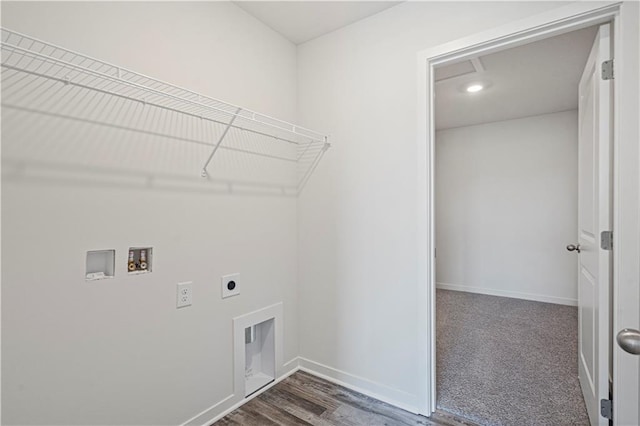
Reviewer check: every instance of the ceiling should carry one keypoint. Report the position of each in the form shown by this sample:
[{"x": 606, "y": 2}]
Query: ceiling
[
  {"x": 533, "y": 79},
  {"x": 301, "y": 21}
]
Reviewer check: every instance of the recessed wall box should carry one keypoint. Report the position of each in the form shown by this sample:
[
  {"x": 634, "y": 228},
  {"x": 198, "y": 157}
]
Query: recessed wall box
[
  {"x": 257, "y": 349},
  {"x": 139, "y": 260},
  {"x": 259, "y": 368},
  {"x": 100, "y": 264}
]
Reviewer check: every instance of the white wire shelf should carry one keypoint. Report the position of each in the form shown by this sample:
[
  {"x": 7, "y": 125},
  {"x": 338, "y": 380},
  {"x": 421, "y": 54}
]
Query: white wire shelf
[{"x": 39, "y": 77}]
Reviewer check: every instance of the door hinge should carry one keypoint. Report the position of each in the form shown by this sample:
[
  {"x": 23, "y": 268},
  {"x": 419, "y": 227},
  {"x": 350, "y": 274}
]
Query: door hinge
[
  {"x": 606, "y": 409},
  {"x": 606, "y": 240},
  {"x": 607, "y": 70}
]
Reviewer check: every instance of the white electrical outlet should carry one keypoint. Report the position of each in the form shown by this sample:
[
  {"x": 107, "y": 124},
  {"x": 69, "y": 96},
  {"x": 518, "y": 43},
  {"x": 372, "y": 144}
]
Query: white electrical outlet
[
  {"x": 185, "y": 295},
  {"x": 230, "y": 285}
]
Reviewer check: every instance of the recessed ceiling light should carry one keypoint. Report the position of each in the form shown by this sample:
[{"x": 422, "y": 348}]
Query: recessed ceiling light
[{"x": 472, "y": 88}]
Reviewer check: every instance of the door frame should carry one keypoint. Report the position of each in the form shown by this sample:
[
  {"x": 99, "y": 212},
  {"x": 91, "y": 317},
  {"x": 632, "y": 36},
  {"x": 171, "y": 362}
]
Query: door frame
[{"x": 625, "y": 163}]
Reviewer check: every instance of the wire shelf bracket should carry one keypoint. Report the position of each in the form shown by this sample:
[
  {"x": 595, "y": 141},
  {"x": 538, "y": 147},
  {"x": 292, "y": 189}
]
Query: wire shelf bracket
[{"x": 226, "y": 130}]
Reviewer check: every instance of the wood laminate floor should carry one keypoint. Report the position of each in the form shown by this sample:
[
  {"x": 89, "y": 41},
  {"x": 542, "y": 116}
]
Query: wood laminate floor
[{"x": 304, "y": 399}]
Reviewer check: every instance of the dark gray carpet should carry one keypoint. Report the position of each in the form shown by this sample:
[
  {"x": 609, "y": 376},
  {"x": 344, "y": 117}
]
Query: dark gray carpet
[{"x": 503, "y": 361}]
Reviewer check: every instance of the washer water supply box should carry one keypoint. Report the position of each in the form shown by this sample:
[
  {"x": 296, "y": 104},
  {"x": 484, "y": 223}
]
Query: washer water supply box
[{"x": 139, "y": 259}]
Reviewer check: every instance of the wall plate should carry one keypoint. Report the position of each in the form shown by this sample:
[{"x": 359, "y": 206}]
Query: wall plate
[
  {"x": 230, "y": 285},
  {"x": 185, "y": 295}
]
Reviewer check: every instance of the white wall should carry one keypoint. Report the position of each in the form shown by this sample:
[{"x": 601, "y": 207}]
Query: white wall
[
  {"x": 506, "y": 207},
  {"x": 359, "y": 288},
  {"x": 118, "y": 351}
]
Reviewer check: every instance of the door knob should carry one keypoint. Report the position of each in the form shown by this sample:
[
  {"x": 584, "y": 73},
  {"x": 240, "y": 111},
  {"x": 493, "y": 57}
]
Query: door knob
[
  {"x": 574, "y": 247},
  {"x": 629, "y": 340}
]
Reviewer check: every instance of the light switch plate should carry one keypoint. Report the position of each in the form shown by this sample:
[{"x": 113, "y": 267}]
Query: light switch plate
[
  {"x": 230, "y": 285},
  {"x": 185, "y": 295}
]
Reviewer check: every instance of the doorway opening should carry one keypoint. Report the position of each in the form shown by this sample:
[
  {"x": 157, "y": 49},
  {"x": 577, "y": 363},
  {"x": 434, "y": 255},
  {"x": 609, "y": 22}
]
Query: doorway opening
[
  {"x": 487, "y": 190},
  {"x": 506, "y": 200}
]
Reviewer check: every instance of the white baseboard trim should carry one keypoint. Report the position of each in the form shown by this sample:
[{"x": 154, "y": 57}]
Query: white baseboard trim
[
  {"x": 215, "y": 407},
  {"x": 227, "y": 405},
  {"x": 364, "y": 386},
  {"x": 350, "y": 381},
  {"x": 291, "y": 366},
  {"x": 506, "y": 293}
]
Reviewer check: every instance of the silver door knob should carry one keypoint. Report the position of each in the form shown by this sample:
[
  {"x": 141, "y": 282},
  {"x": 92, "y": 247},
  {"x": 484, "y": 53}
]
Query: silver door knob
[
  {"x": 574, "y": 247},
  {"x": 629, "y": 340}
]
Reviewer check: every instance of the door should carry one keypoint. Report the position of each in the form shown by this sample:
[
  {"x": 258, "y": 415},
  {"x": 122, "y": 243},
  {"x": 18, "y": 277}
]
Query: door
[{"x": 594, "y": 217}]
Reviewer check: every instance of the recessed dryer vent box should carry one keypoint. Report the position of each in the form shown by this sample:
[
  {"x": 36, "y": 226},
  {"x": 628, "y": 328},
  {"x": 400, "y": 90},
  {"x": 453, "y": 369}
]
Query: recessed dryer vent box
[
  {"x": 259, "y": 369},
  {"x": 257, "y": 349},
  {"x": 100, "y": 264},
  {"x": 139, "y": 260}
]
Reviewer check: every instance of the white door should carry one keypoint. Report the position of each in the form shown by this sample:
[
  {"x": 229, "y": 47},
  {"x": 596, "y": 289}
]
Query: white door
[{"x": 594, "y": 217}]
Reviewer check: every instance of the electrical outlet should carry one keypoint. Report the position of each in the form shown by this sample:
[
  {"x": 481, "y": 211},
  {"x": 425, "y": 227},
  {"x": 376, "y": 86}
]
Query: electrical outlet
[
  {"x": 230, "y": 285},
  {"x": 185, "y": 295}
]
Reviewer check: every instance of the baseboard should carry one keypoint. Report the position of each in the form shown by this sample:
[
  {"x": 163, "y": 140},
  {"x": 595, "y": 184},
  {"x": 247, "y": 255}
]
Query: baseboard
[
  {"x": 291, "y": 367},
  {"x": 350, "y": 381},
  {"x": 506, "y": 293},
  {"x": 364, "y": 386},
  {"x": 230, "y": 403},
  {"x": 220, "y": 405}
]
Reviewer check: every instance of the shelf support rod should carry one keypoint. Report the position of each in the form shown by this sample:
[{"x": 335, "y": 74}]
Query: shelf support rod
[
  {"x": 314, "y": 164},
  {"x": 226, "y": 130}
]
